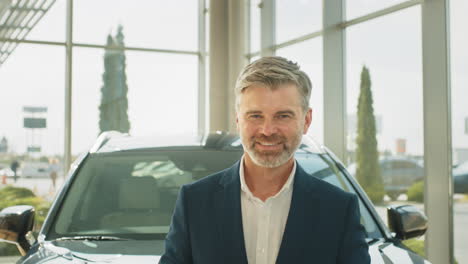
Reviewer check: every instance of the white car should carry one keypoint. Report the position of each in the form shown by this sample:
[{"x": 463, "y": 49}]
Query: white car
[
  {"x": 6, "y": 171},
  {"x": 35, "y": 170}
]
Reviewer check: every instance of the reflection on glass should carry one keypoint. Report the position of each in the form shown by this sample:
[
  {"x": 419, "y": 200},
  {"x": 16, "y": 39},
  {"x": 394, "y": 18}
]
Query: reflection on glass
[
  {"x": 297, "y": 18},
  {"x": 51, "y": 26},
  {"x": 162, "y": 94},
  {"x": 114, "y": 102},
  {"x": 390, "y": 48},
  {"x": 308, "y": 54}
]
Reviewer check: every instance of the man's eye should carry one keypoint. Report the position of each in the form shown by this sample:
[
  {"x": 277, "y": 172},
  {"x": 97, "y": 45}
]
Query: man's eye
[
  {"x": 255, "y": 116},
  {"x": 284, "y": 116}
]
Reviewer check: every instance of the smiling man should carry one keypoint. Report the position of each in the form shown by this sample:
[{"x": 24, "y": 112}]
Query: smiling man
[{"x": 269, "y": 207}]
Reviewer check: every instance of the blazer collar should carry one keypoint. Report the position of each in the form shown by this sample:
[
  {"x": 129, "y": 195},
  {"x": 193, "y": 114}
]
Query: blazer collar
[
  {"x": 229, "y": 217},
  {"x": 298, "y": 236}
]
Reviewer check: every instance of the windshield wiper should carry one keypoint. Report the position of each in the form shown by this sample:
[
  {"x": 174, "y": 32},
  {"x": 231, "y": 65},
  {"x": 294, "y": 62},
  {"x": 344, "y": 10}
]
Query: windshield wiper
[
  {"x": 371, "y": 241},
  {"x": 92, "y": 238}
]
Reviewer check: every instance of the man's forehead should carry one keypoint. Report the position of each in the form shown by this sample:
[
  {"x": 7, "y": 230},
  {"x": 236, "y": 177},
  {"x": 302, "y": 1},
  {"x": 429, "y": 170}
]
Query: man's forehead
[{"x": 256, "y": 111}]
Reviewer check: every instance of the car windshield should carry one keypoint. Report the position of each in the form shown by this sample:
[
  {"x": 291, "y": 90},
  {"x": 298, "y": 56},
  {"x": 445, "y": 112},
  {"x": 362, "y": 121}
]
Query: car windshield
[{"x": 132, "y": 194}]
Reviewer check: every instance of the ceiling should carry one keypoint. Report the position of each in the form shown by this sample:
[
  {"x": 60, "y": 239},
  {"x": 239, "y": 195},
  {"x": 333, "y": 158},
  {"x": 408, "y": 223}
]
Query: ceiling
[{"x": 17, "y": 18}]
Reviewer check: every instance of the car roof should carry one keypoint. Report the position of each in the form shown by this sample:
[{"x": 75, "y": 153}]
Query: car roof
[{"x": 113, "y": 141}]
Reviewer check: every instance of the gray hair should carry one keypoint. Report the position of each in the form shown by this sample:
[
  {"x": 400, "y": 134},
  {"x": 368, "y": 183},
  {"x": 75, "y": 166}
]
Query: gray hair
[{"x": 272, "y": 72}]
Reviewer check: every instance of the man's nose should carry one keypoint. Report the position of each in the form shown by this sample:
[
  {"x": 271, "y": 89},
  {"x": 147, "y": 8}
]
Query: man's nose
[{"x": 269, "y": 127}]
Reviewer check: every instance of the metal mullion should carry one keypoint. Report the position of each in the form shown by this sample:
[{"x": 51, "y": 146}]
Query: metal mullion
[
  {"x": 201, "y": 117},
  {"x": 83, "y": 45},
  {"x": 68, "y": 87},
  {"x": 334, "y": 84},
  {"x": 298, "y": 40},
  {"x": 267, "y": 27},
  {"x": 379, "y": 13},
  {"x": 438, "y": 193},
  {"x": 39, "y": 42}
]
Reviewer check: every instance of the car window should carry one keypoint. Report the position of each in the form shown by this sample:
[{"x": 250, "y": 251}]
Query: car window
[
  {"x": 323, "y": 167},
  {"x": 133, "y": 194}
]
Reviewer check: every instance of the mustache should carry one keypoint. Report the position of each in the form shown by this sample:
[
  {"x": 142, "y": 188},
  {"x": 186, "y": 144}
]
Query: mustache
[{"x": 272, "y": 138}]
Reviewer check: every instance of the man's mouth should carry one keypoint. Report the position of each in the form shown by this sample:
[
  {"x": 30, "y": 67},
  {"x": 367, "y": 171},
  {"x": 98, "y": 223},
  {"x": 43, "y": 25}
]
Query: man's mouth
[{"x": 269, "y": 143}]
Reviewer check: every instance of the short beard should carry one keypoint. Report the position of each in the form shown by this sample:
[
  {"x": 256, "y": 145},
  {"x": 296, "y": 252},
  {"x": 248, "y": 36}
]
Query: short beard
[{"x": 273, "y": 160}]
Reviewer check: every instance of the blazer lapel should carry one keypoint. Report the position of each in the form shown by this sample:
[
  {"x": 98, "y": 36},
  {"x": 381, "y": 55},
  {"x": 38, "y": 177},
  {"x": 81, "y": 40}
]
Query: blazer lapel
[
  {"x": 298, "y": 236},
  {"x": 229, "y": 217}
]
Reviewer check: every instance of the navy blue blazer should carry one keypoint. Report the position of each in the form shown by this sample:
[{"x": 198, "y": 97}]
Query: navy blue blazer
[{"x": 323, "y": 225}]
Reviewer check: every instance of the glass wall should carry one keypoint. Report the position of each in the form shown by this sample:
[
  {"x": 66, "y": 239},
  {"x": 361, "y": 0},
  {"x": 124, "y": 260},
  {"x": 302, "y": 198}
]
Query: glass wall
[
  {"x": 357, "y": 8},
  {"x": 162, "y": 94},
  {"x": 147, "y": 23},
  {"x": 459, "y": 86},
  {"x": 384, "y": 82},
  {"x": 294, "y": 19},
  {"x": 137, "y": 58},
  {"x": 297, "y": 18},
  {"x": 308, "y": 54}
]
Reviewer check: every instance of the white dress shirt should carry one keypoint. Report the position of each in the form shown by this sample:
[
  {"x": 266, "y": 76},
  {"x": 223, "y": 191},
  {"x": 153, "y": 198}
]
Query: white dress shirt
[{"x": 264, "y": 222}]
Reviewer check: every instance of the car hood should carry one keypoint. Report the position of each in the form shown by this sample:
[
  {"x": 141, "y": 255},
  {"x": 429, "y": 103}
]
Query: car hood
[
  {"x": 388, "y": 253},
  {"x": 119, "y": 252},
  {"x": 79, "y": 252}
]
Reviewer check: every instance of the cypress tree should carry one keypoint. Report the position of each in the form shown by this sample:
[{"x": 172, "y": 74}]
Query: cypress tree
[
  {"x": 367, "y": 156},
  {"x": 114, "y": 103}
]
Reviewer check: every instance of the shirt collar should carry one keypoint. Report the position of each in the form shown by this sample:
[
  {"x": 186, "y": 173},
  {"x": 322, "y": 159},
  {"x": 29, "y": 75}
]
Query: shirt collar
[{"x": 286, "y": 187}]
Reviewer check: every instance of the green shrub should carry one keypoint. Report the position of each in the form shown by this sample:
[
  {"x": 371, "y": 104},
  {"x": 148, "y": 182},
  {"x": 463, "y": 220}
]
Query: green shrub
[
  {"x": 7, "y": 249},
  {"x": 417, "y": 246},
  {"x": 12, "y": 196},
  {"x": 416, "y": 192},
  {"x": 11, "y": 193},
  {"x": 375, "y": 194}
]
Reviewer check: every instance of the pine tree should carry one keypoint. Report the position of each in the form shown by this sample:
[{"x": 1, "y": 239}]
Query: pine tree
[
  {"x": 114, "y": 103},
  {"x": 367, "y": 156}
]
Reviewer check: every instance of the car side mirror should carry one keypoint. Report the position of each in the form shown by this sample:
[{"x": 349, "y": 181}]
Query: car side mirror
[
  {"x": 406, "y": 221},
  {"x": 16, "y": 224}
]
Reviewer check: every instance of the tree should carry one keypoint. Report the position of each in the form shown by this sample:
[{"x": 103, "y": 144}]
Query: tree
[
  {"x": 114, "y": 103},
  {"x": 367, "y": 156}
]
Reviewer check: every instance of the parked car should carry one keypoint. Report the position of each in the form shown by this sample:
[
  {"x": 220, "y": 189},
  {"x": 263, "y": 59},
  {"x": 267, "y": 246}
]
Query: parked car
[
  {"x": 36, "y": 169},
  {"x": 398, "y": 174},
  {"x": 460, "y": 178},
  {"x": 117, "y": 202},
  {"x": 6, "y": 171}
]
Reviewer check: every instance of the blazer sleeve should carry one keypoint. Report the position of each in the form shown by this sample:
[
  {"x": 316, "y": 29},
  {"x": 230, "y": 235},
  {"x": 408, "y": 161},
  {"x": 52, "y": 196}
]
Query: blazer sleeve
[
  {"x": 353, "y": 247},
  {"x": 177, "y": 244}
]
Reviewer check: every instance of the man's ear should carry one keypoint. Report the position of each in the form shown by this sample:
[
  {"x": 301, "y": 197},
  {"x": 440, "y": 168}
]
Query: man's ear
[
  {"x": 237, "y": 121},
  {"x": 307, "y": 121}
]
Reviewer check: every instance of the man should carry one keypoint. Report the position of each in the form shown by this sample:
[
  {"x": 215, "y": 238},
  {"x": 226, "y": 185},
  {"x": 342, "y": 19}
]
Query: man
[
  {"x": 14, "y": 167},
  {"x": 266, "y": 209}
]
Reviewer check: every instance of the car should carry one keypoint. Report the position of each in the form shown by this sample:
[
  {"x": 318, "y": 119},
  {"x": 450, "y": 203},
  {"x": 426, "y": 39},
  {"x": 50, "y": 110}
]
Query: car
[
  {"x": 5, "y": 171},
  {"x": 460, "y": 178},
  {"x": 398, "y": 174},
  {"x": 118, "y": 199},
  {"x": 35, "y": 169}
]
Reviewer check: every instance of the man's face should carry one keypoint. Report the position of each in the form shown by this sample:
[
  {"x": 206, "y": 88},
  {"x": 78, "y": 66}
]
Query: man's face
[{"x": 271, "y": 123}]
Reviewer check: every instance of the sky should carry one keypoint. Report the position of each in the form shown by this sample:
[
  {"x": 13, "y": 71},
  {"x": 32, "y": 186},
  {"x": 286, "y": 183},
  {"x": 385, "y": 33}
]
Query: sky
[{"x": 163, "y": 87}]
